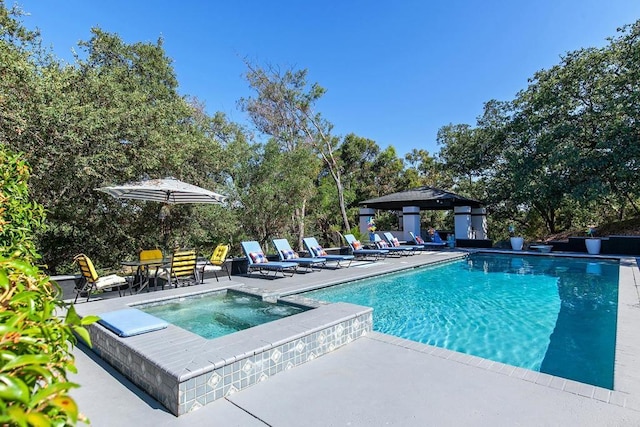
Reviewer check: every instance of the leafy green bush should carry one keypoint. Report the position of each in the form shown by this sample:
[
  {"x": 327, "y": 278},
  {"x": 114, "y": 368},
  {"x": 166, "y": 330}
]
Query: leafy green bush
[{"x": 35, "y": 342}]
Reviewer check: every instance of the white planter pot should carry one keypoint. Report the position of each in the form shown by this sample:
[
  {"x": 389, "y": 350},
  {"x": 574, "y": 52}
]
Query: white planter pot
[
  {"x": 516, "y": 243},
  {"x": 593, "y": 246}
]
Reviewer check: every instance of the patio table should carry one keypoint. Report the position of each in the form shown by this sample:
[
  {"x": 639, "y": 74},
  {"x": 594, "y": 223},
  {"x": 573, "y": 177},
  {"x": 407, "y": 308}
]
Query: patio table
[{"x": 142, "y": 271}]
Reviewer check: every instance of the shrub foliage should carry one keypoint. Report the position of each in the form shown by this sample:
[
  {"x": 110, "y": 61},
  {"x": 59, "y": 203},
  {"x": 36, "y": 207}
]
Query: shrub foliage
[{"x": 35, "y": 342}]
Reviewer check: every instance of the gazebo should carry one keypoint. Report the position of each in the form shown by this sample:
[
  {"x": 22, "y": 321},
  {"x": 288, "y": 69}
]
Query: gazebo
[{"x": 470, "y": 215}]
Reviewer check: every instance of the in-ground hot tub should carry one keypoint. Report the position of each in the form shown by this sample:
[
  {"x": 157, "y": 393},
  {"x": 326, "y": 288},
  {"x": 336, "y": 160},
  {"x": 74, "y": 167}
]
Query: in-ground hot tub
[
  {"x": 216, "y": 314},
  {"x": 185, "y": 371}
]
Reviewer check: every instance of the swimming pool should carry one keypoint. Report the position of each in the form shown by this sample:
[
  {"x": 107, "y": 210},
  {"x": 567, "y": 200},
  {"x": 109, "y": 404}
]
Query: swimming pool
[
  {"x": 549, "y": 314},
  {"x": 215, "y": 314}
]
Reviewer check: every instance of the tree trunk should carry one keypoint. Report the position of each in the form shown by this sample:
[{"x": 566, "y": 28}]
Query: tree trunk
[
  {"x": 552, "y": 221},
  {"x": 633, "y": 205},
  {"x": 548, "y": 215},
  {"x": 343, "y": 208},
  {"x": 330, "y": 161},
  {"x": 300, "y": 214}
]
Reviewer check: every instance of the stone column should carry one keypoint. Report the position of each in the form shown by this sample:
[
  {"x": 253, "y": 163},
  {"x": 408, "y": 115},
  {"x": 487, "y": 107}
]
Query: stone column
[
  {"x": 462, "y": 222},
  {"x": 365, "y": 214},
  {"x": 410, "y": 221},
  {"x": 479, "y": 222}
]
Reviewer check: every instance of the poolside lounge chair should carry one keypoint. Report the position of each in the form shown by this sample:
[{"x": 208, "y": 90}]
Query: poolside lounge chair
[
  {"x": 439, "y": 244},
  {"x": 155, "y": 259},
  {"x": 393, "y": 241},
  {"x": 287, "y": 254},
  {"x": 358, "y": 251},
  {"x": 216, "y": 263},
  {"x": 182, "y": 270},
  {"x": 92, "y": 282},
  {"x": 315, "y": 250},
  {"x": 258, "y": 261},
  {"x": 396, "y": 250}
]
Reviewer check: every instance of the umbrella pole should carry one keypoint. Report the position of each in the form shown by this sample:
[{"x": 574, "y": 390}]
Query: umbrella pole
[{"x": 164, "y": 226}]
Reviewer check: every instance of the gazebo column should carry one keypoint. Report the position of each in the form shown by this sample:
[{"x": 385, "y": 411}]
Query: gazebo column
[
  {"x": 479, "y": 222},
  {"x": 365, "y": 214},
  {"x": 410, "y": 221},
  {"x": 462, "y": 222}
]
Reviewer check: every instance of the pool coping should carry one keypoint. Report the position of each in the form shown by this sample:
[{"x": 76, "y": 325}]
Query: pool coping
[
  {"x": 626, "y": 391},
  {"x": 626, "y": 379},
  {"x": 626, "y": 388},
  {"x": 184, "y": 371}
]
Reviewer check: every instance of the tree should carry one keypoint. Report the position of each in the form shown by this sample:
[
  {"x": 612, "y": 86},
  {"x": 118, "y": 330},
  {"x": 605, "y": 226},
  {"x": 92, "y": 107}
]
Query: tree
[
  {"x": 114, "y": 117},
  {"x": 422, "y": 170},
  {"x": 357, "y": 156},
  {"x": 284, "y": 109},
  {"x": 388, "y": 169},
  {"x": 565, "y": 150}
]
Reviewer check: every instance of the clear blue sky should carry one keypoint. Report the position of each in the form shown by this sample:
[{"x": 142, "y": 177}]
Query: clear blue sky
[{"x": 395, "y": 72}]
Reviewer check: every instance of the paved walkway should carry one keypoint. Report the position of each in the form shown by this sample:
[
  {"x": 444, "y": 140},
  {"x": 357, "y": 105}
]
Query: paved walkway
[{"x": 381, "y": 380}]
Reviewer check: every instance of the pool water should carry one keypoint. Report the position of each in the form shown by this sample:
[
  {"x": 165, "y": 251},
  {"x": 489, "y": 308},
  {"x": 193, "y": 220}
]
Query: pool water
[
  {"x": 213, "y": 315},
  {"x": 548, "y": 314}
]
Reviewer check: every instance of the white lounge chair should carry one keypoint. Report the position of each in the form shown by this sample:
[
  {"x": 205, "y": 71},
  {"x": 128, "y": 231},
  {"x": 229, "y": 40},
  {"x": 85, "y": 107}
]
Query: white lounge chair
[
  {"x": 393, "y": 241},
  {"x": 315, "y": 250},
  {"x": 358, "y": 250},
  {"x": 428, "y": 245},
  {"x": 289, "y": 255},
  {"x": 258, "y": 261},
  {"x": 397, "y": 250}
]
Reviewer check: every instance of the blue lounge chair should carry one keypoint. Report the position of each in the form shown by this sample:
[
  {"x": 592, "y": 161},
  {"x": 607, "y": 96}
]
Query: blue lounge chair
[
  {"x": 358, "y": 251},
  {"x": 287, "y": 254},
  {"x": 315, "y": 250},
  {"x": 429, "y": 245},
  {"x": 258, "y": 261},
  {"x": 400, "y": 250},
  {"x": 393, "y": 241}
]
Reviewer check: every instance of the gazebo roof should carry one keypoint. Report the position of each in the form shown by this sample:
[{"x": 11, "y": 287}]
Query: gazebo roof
[{"x": 426, "y": 198}]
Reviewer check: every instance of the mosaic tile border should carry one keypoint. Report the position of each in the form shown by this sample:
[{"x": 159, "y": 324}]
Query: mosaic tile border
[
  {"x": 232, "y": 378},
  {"x": 143, "y": 372},
  {"x": 185, "y": 372}
]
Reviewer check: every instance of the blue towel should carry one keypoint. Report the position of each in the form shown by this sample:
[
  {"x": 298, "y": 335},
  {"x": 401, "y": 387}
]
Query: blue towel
[{"x": 130, "y": 321}]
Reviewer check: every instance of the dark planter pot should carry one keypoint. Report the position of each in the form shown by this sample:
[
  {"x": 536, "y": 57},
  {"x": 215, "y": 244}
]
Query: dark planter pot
[
  {"x": 475, "y": 243},
  {"x": 239, "y": 266},
  {"x": 67, "y": 285},
  {"x": 344, "y": 250}
]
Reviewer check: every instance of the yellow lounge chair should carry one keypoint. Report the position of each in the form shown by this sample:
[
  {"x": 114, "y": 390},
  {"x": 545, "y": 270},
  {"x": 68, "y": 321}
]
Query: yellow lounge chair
[
  {"x": 216, "y": 263},
  {"x": 153, "y": 261},
  {"x": 182, "y": 270},
  {"x": 92, "y": 282}
]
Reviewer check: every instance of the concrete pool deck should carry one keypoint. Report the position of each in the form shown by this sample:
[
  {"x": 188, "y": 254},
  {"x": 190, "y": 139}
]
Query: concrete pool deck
[{"x": 380, "y": 380}]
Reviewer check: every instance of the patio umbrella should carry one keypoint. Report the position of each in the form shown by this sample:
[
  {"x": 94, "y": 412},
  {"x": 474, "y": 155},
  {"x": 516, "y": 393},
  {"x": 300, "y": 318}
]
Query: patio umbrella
[{"x": 168, "y": 190}]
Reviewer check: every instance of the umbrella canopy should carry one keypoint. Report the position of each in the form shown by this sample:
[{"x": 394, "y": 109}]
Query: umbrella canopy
[
  {"x": 427, "y": 198},
  {"x": 168, "y": 190}
]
